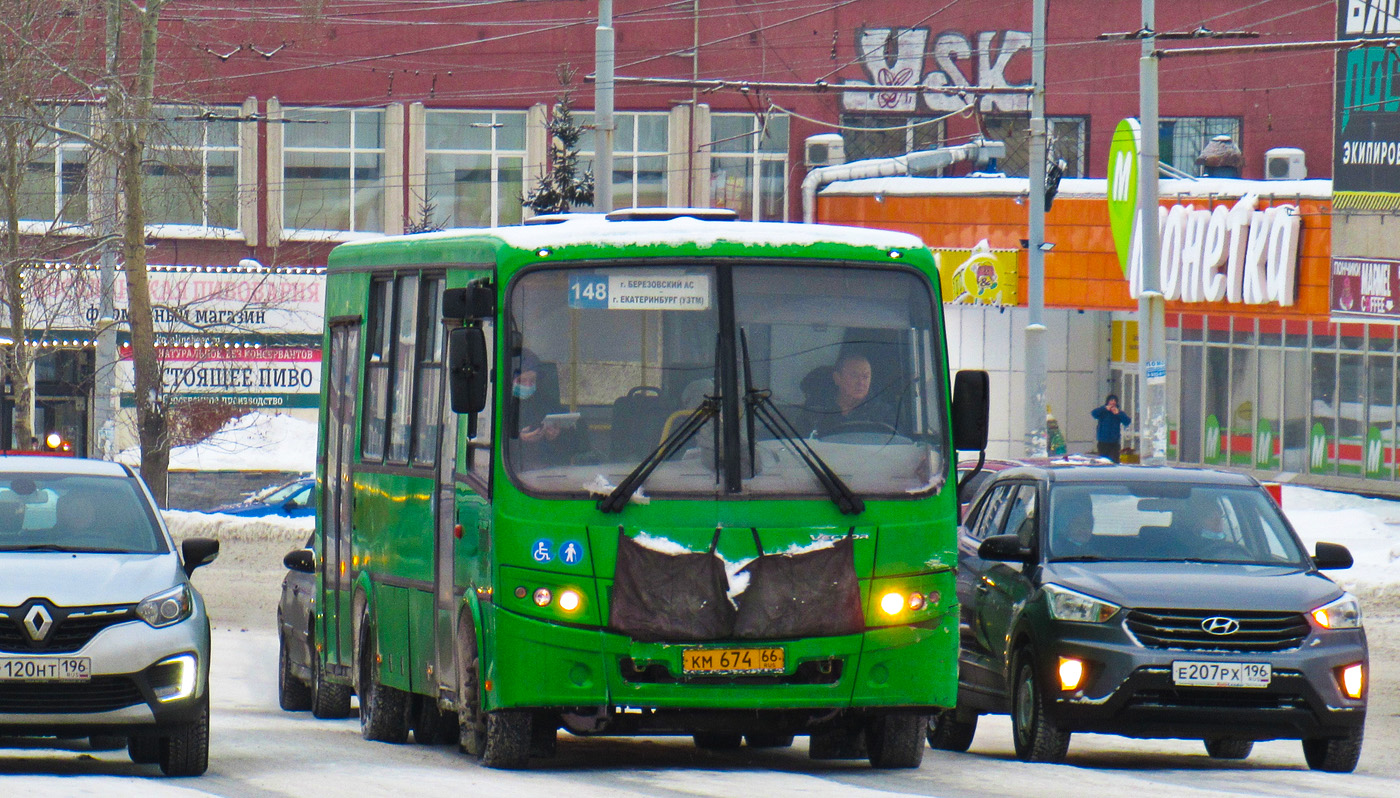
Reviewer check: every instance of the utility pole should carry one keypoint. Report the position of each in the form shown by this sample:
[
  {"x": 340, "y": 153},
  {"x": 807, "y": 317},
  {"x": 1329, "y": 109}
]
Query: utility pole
[
  {"x": 1037, "y": 444},
  {"x": 604, "y": 57},
  {"x": 1152, "y": 338},
  {"x": 104, "y": 388}
]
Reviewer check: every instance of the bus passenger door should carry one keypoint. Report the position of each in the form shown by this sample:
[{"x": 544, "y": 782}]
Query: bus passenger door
[
  {"x": 445, "y": 597},
  {"x": 333, "y": 630}
]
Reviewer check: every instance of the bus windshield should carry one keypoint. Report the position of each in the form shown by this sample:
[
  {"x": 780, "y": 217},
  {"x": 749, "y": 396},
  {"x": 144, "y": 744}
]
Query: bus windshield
[{"x": 607, "y": 362}]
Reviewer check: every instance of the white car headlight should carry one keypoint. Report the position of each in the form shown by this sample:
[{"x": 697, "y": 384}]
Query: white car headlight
[
  {"x": 1343, "y": 613},
  {"x": 166, "y": 607},
  {"x": 1069, "y": 605}
]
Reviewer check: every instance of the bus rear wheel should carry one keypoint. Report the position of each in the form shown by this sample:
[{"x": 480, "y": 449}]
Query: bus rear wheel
[{"x": 383, "y": 709}]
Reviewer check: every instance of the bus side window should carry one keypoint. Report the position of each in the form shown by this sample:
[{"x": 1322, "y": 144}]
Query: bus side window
[{"x": 478, "y": 449}]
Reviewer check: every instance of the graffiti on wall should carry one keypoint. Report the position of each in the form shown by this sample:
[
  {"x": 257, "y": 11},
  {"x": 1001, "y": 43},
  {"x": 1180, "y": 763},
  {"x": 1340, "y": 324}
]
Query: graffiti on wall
[{"x": 913, "y": 57}]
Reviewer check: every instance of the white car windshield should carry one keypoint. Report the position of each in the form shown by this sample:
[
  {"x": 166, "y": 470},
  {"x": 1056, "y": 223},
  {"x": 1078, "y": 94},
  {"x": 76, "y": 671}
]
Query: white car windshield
[{"x": 69, "y": 512}]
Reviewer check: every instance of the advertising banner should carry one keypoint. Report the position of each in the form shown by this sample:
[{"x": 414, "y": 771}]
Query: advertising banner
[
  {"x": 978, "y": 276},
  {"x": 1365, "y": 288},
  {"x": 1366, "y": 154},
  {"x": 272, "y": 377},
  {"x": 186, "y": 300}
]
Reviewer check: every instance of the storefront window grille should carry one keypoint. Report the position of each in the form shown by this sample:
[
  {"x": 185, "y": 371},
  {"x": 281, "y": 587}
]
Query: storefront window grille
[{"x": 1183, "y": 138}]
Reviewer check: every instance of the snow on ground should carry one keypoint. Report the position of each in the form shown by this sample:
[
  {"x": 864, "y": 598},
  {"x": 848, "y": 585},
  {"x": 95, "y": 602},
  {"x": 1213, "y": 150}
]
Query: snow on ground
[
  {"x": 188, "y": 524},
  {"x": 1370, "y": 528},
  {"x": 253, "y": 442}
]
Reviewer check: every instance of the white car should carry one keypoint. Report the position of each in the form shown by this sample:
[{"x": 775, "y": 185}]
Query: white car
[{"x": 101, "y": 633}]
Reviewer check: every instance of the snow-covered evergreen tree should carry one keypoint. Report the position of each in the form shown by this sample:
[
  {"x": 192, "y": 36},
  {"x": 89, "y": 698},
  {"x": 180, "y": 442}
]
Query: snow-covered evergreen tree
[{"x": 563, "y": 187}]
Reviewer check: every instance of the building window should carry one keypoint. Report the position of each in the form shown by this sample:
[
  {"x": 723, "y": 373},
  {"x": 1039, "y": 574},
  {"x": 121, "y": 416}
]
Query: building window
[
  {"x": 53, "y": 186},
  {"x": 475, "y": 167},
  {"x": 639, "y": 156},
  {"x": 1183, "y": 138},
  {"x": 192, "y": 168},
  {"x": 1068, "y": 137},
  {"x": 873, "y": 136},
  {"x": 749, "y": 165},
  {"x": 333, "y": 170}
]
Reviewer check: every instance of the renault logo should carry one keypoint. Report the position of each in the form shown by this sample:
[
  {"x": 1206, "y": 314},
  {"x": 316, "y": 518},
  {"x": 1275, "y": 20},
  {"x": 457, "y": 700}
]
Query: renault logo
[
  {"x": 1220, "y": 625},
  {"x": 38, "y": 622}
]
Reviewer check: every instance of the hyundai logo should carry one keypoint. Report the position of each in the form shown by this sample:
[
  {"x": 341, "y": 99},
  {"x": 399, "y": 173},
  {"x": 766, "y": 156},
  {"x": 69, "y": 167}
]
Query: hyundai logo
[
  {"x": 1220, "y": 625},
  {"x": 37, "y": 622}
]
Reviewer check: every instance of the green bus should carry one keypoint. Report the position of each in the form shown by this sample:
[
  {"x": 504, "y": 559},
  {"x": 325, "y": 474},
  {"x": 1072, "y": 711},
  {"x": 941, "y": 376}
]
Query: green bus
[{"x": 655, "y": 472}]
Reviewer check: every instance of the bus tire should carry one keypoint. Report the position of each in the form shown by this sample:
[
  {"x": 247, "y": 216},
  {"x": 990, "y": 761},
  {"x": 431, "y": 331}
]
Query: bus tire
[
  {"x": 718, "y": 741},
  {"x": 383, "y": 709},
  {"x": 896, "y": 740},
  {"x": 471, "y": 726},
  {"x": 508, "y": 738},
  {"x": 329, "y": 701},
  {"x": 768, "y": 740},
  {"x": 946, "y": 732}
]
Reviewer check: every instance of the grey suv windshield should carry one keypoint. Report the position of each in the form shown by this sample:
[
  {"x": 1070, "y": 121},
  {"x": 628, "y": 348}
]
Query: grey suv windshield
[
  {"x": 610, "y": 361},
  {"x": 1100, "y": 521},
  {"x": 47, "y": 512}
]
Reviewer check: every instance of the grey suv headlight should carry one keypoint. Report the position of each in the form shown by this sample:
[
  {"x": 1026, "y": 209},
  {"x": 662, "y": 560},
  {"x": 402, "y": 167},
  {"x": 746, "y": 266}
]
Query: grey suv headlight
[
  {"x": 1069, "y": 605},
  {"x": 1343, "y": 613},
  {"x": 166, "y": 607}
]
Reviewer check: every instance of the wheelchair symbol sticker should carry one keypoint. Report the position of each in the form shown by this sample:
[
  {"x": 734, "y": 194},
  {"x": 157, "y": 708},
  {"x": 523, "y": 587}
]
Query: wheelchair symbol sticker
[
  {"x": 571, "y": 552},
  {"x": 541, "y": 551}
]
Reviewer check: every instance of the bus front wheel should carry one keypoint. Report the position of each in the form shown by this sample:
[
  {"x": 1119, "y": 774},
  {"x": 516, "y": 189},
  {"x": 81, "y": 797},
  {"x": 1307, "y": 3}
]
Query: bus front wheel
[
  {"x": 508, "y": 737},
  {"x": 472, "y": 738},
  {"x": 896, "y": 740}
]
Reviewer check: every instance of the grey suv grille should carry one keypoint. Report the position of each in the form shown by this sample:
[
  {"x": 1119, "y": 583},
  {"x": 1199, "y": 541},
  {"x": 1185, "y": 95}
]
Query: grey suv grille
[
  {"x": 1182, "y": 629},
  {"x": 73, "y": 628}
]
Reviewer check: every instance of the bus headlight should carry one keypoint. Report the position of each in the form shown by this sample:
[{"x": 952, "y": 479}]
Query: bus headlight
[
  {"x": 570, "y": 600},
  {"x": 892, "y": 602}
]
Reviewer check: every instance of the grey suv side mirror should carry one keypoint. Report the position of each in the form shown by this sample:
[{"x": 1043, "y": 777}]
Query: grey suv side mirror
[
  {"x": 198, "y": 551},
  {"x": 1331, "y": 556},
  {"x": 1003, "y": 548},
  {"x": 303, "y": 560}
]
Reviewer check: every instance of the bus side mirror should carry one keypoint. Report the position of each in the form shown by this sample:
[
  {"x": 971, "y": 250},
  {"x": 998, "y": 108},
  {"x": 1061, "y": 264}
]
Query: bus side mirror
[
  {"x": 467, "y": 369},
  {"x": 971, "y": 410}
]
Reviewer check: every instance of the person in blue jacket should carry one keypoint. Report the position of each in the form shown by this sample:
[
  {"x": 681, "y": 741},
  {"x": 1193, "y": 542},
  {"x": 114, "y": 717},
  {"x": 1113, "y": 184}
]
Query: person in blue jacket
[{"x": 1111, "y": 420}]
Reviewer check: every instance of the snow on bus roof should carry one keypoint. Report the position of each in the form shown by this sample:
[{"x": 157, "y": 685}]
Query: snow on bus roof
[
  {"x": 594, "y": 230},
  {"x": 1201, "y": 188}
]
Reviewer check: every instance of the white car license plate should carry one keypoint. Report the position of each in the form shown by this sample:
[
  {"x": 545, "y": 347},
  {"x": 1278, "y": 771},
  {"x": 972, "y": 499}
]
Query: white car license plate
[
  {"x": 1221, "y": 674},
  {"x": 45, "y": 669}
]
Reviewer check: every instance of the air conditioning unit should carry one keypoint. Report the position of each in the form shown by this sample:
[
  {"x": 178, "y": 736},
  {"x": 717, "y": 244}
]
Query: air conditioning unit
[
  {"x": 1285, "y": 163},
  {"x": 825, "y": 149}
]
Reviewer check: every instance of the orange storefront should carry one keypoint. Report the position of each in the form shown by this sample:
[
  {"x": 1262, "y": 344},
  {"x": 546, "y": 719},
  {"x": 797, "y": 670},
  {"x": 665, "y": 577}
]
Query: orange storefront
[{"x": 1281, "y": 385}]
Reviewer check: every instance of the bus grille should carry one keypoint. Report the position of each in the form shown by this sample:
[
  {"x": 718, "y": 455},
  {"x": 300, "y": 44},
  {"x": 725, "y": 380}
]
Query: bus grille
[
  {"x": 1182, "y": 629},
  {"x": 815, "y": 672}
]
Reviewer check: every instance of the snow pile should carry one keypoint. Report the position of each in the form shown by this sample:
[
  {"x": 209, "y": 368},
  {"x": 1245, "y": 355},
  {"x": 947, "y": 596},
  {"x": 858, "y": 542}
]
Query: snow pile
[
  {"x": 253, "y": 442},
  {"x": 1370, "y": 528},
  {"x": 184, "y": 524}
]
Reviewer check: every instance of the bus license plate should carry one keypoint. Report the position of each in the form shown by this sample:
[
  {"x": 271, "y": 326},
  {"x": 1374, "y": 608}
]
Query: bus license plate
[
  {"x": 732, "y": 660},
  {"x": 1221, "y": 674},
  {"x": 45, "y": 669}
]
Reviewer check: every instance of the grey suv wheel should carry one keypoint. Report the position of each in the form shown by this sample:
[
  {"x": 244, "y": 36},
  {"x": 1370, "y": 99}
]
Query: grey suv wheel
[{"x": 1036, "y": 737}]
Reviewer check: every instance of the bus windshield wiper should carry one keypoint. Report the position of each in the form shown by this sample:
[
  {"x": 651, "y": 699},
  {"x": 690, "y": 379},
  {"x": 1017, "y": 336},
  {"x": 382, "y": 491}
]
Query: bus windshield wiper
[
  {"x": 620, "y": 495},
  {"x": 760, "y": 405}
]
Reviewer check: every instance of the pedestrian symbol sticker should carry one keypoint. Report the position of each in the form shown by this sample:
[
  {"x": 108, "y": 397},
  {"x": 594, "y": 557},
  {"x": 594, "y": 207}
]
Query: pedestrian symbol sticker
[
  {"x": 571, "y": 552},
  {"x": 541, "y": 552}
]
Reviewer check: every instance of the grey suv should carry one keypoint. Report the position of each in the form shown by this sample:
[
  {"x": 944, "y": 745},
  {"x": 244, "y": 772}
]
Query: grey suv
[
  {"x": 101, "y": 633},
  {"x": 1152, "y": 602}
]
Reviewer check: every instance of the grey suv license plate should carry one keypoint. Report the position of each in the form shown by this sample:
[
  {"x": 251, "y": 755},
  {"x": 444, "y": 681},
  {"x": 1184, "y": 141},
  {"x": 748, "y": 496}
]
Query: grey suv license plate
[
  {"x": 1221, "y": 674},
  {"x": 45, "y": 669}
]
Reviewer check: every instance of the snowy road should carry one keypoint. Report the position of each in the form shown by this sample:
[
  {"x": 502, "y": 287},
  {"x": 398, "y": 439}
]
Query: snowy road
[{"x": 259, "y": 752}]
